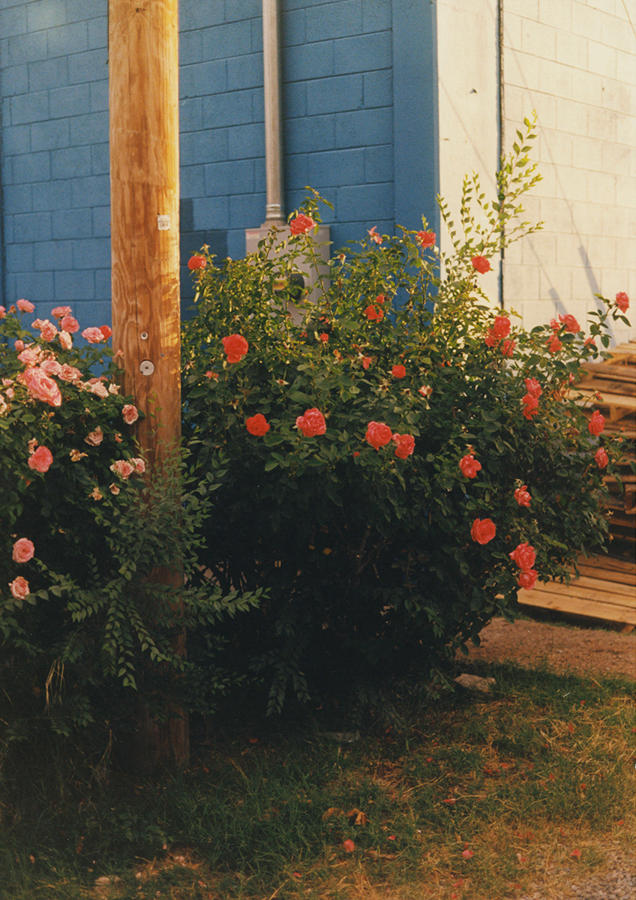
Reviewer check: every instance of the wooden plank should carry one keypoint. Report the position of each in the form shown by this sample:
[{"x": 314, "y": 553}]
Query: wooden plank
[
  {"x": 608, "y": 575},
  {"x": 586, "y": 593},
  {"x": 621, "y": 401},
  {"x": 608, "y": 563},
  {"x": 606, "y": 585},
  {"x": 612, "y": 371},
  {"x": 570, "y": 604}
]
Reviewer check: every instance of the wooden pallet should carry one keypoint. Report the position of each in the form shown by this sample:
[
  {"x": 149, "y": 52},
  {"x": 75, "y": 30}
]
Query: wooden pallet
[{"x": 605, "y": 589}]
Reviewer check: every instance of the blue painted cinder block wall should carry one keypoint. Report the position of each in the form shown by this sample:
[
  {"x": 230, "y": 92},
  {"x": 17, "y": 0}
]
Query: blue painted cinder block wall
[{"x": 360, "y": 127}]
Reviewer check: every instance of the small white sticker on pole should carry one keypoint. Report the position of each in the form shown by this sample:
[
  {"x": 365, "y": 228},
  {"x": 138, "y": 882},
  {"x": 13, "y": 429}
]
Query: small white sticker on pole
[
  {"x": 163, "y": 223},
  {"x": 146, "y": 367}
]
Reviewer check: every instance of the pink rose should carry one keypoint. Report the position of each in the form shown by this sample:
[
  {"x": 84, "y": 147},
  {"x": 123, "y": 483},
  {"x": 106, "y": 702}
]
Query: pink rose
[
  {"x": 235, "y": 347},
  {"x": 483, "y": 530},
  {"x": 501, "y": 327},
  {"x": 405, "y": 445},
  {"x": 65, "y": 340},
  {"x": 48, "y": 330},
  {"x": 19, "y": 345},
  {"x": 129, "y": 414},
  {"x": 92, "y": 335},
  {"x": 426, "y": 390},
  {"x": 122, "y": 467},
  {"x": 596, "y": 425},
  {"x": 3, "y": 312},
  {"x": 42, "y": 387},
  {"x": 601, "y": 458},
  {"x": 25, "y": 306},
  {"x": 570, "y": 324},
  {"x": 524, "y": 555},
  {"x": 312, "y": 423},
  {"x": 425, "y": 238},
  {"x": 60, "y": 311},
  {"x": 378, "y": 434},
  {"x": 480, "y": 264},
  {"x": 527, "y": 579},
  {"x": 23, "y": 550},
  {"x": 469, "y": 465},
  {"x": 98, "y": 388},
  {"x": 30, "y": 356},
  {"x": 41, "y": 459},
  {"x": 51, "y": 366},
  {"x": 19, "y": 588},
  {"x": 301, "y": 224},
  {"x": 69, "y": 324},
  {"x": 69, "y": 373},
  {"x": 622, "y": 301},
  {"x": 398, "y": 371},
  {"x": 522, "y": 496},
  {"x": 139, "y": 464},
  {"x": 257, "y": 425},
  {"x": 114, "y": 489},
  {"x": 374, "y": 236},
  {"x": 533, "y": 387},
  {"x": 94, "y": 438}
]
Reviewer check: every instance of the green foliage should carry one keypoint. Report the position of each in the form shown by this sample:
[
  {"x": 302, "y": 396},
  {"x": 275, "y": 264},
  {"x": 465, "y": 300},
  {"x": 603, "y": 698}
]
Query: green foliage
[
  {"x": 97, "y": 610},
  {"x": 367, "y": 556}
]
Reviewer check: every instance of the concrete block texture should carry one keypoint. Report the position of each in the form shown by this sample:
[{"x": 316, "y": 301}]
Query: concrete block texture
[{"x": 586, "y": 152}]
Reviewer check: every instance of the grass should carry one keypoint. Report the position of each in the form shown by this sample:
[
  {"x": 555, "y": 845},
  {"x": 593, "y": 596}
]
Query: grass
[{"x": 523, "y": 778}]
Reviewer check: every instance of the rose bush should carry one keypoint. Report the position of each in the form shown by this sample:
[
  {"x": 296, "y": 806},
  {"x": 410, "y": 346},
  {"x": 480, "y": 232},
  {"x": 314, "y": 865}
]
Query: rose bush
[
  {"x": 362, "y": 507},
  {"x": 80, "y": 532}
]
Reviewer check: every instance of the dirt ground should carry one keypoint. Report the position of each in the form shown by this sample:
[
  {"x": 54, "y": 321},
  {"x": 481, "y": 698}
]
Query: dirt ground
[{"x": 583, "y": 651}]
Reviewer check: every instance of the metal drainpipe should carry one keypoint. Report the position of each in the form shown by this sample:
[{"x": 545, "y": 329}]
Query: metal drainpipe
[{"x": 274, "y": 208}]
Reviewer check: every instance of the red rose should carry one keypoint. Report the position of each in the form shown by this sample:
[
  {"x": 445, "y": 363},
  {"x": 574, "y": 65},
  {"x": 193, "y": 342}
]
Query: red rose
[
  {"x": 378, "y": 434},
  {"x": 398, "y": 371},
  {"x": 522, "y": 496},
  {"x": 380, "y": 299},
  {"x": 106, "y": 330},
  {"x": 501, "y": 327},
  {"x": 41, "y": 459},
  {"x": 469, "y": 465},
  {"x": 480, "y": 264},
  {"x": 601, "y": 458},
  {"x": 524, "y": 555},
  {"x": 257, "y": 425},
  {"x": 508, "y": 348},
  {"x": 348, "y": 846},
  {"x": 324, "y": 337},
  {"x": 622, "y": 301},
  {"x": 425, "y": 238},
  {"x": 596, "y": 425},
  {"x": 405, "y": 445},
  {"x": 530, "y": 406},
  {"x": 483, "y": 530},
  {"x": 197, "y": 262},
  {"x": 527, "y": 579},
  {"x": 533, "y": 387},
  {"x": 366, "y": 362},
  {"x": 312, "y": 423},
  {"x": 554, "y": 344},
  {"x": 374, "y": 314},
  {"x": 235, "y": 347},
  {"x": 301, "y": 224},
  {"x": 570, "y": 324},
  {"x": 490, "y": 340}
]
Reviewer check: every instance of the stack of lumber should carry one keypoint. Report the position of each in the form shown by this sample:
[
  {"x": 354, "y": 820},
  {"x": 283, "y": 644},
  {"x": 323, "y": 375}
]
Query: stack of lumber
[
  {"x": 606, "y": 588},
  {"x": 611, "y": 386}
]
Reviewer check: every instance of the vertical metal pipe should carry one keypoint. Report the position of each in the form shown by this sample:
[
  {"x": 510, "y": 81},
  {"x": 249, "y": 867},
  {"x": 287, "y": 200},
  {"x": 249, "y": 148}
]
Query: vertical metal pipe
[{"x": 274, "y": 209}]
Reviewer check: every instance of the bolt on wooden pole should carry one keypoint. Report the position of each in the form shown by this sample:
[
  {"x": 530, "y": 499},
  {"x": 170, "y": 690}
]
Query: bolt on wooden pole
[{"x": 144, "y": 167}]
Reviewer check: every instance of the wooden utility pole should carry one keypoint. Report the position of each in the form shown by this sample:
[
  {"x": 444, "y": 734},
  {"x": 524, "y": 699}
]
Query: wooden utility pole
[{"x": 144, "y": 167}]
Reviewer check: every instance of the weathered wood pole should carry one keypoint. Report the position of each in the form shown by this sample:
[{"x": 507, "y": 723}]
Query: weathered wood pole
[{"x": 144, "y": 168}]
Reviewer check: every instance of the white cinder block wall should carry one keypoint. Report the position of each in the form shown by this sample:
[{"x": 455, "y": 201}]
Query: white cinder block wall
[{"x": 574, "y": 62}]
